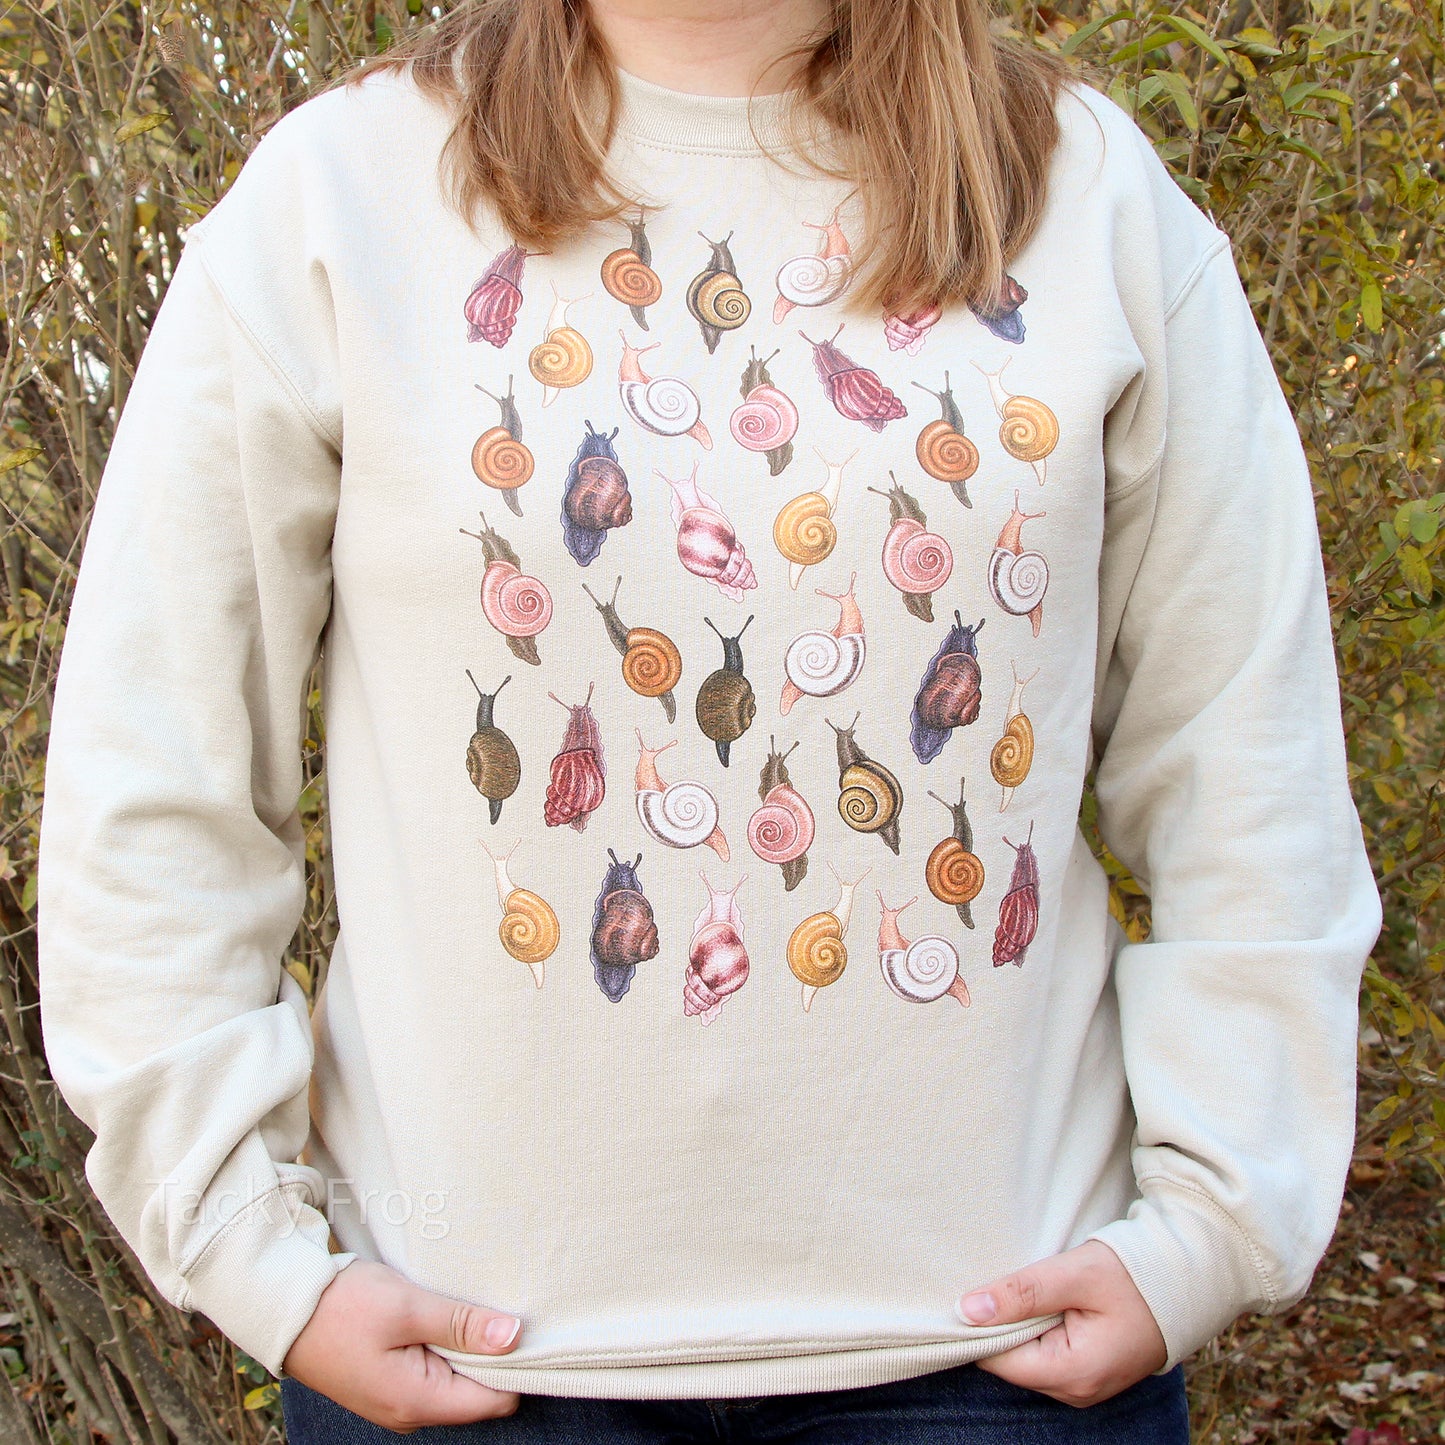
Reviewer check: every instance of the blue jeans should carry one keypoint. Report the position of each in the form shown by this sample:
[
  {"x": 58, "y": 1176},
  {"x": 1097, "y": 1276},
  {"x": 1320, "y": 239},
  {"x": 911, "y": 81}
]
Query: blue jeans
[{"x": 959, "y": 1406}]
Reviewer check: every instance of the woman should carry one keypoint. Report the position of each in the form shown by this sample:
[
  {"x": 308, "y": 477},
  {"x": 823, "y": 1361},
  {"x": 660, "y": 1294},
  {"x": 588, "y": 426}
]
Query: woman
[{"x": 727, "y": 1035}]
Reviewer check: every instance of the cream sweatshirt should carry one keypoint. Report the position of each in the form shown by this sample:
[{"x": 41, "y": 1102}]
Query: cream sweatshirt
[{"x": 711, "y": 673}]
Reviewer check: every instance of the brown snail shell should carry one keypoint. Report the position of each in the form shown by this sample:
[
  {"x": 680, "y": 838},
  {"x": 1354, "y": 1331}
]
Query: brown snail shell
[
  {"x": 954, "y": 874},
  {"x": 652, "y": 665},
  {"x": 600, "y": 498},
  {"x": 951, "y": 696},
  {"x": 627, "y": 932},
  {"x": 492, "y": 761},
  {"x": 869, "y": 796},
  {"x": 726, "y": 706}
]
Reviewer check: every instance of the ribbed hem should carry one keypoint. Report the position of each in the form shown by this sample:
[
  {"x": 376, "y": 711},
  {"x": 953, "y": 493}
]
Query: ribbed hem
[
  {"x": 719, "y": 124},
  {"x": 766, "y": 1375},
  {"x": 1194, "y": 1266},
  {"x": 259, "y": 1280}
]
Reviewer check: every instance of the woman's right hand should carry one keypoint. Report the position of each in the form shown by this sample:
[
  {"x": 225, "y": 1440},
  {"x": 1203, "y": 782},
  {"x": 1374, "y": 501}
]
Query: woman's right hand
[{"x": 365, "y": 1347}]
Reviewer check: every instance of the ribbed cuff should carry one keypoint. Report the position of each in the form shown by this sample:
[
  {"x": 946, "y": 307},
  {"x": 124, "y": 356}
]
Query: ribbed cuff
[
  {"x": 1195, "y": 1267},
  {"x": 259, "y": 1279}
]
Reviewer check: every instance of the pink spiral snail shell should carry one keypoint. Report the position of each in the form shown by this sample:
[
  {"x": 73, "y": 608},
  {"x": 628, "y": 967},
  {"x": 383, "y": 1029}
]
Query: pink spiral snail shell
[
  {"x": 915, "y": 560},
  {"x": 717, "y": 958},
  {"x": 765, "y": 420},
  {"x": 783, "y": 828},
  {"x": 515, "y": 604}
]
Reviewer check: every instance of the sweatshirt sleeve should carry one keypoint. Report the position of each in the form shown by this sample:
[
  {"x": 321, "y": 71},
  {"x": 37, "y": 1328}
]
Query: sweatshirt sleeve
[
  {"x": 171, "y": 863},
  {"x": 1222, "y": 785}
]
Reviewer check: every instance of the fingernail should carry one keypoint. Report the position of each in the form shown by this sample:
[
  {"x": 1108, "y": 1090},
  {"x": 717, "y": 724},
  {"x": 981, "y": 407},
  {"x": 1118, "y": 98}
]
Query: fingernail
[
  {"x": 977, "y": 1309},
  {"x": 501, "y": 1331}
]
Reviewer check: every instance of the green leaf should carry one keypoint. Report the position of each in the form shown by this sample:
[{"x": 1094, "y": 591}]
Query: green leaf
[
  {"x": 1200, "y": 37},
  {"x": 1416, "y": 571},
  {"x": 1372, "y": 306},
  {"x": 1177, "y": 90},
  {"x": 1087, "y": 32},
  {"x": 27, "y": 894}
]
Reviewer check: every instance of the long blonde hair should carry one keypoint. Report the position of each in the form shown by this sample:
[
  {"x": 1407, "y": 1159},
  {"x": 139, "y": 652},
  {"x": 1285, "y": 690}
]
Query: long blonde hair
[{"x": 946, "y": 131}]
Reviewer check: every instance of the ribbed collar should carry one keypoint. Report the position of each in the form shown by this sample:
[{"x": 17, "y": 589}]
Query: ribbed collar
[{"x": 679, "y": 120}]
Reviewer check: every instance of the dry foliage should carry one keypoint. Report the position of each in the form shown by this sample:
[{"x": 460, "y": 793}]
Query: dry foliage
[{"x": 1312, "y": 132}]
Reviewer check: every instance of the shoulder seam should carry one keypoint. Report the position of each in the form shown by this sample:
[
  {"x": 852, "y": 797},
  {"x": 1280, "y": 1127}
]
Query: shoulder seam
[
  {"x": 1201, "y": 265},
  {"x": 297, "y": 397}
]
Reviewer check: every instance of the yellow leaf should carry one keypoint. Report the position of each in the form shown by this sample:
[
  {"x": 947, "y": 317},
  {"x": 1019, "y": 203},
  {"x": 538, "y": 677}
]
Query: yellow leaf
[
  {"x": 261, "y": 1396},
  {"x": 18, "y": 458},
  {"x": 140, "y": 125}
]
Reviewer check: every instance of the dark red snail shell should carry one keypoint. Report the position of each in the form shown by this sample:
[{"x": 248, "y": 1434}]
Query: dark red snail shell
[
  {"x": 578, "y": 778},
  {"x": 495, "y": 298},
  {"x": 1018, "y": 914},
  {"x": 854, "y": 390},
  {"x": 951, "y": 691},
  {"x": 624, "y": 932}
]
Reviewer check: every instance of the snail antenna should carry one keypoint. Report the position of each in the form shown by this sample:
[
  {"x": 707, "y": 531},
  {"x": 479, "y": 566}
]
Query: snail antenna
[
  {"x": 744, "y": 627},
  {"x": 587, "y": 701},
  {"x": 593, "y": 596},
  {"x": 807, "y": 338},
  {"x": 1029, "y": 839},
  {"x": 559, "y": 701},
  {"x": 713, "y": 625},
  {"x": 475, "y": 684},
  {"x": 485, "y": 392},
  {"x": 790, "y": 751},
  {"x": 613, "y": 856},
  {"x": 768, "y": 358},
  {"x": 836, "y": 334},
  {"x": 930, "y": 390},
  {"x": 615, "y": 590},
  {"x": 638, "y": 864}
]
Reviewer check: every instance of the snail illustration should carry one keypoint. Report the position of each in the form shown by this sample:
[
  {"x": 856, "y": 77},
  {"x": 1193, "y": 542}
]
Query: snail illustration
[
  {"x": 562, "y": 358},
  {"x": 815, "y": 280},
  {"x": 1013, "y": 753},
  {"x": 627, "y": 274},
  {"x": 1028, "y": 429},
  {"x": 681, "y": 816},
  {"x": 951, "y": 691},
  {"x": 579, "y": 771},
  {"x": 916, "y": 561},
  {"x": 517, "y": 605},
  {"x": 943, "y": 450},
  {"x": 921, "y": 971},
  {"x": 822, "y": 664},
  {"x": 717, "y": 958},
  {"x": 624, "y": 932},
  {"x": 803, "y": 530},
  {"x": 726, "y": 706},
  {"x": 1018, "y": 914},
  {"x": 767, "y": 420},
  {"x": 496, "y": 296},
  {"x": 596, "y": 498},
  {"x": 529, "y": 929},
  {"x": 870, "y": 798},
  {"x": 817, "y": 954},
  {"x": 908, "y": 333},
  {"x": 782, "y": 830},
  {"x": 1005, "y": 321},
  {"x": 855, "y": 391},
  {"x": 651, "y": 663},
  {"x": 492, "y": 761},
  {"x": 954, "y": 871},
  {"x": 716, "y": 297},
  {"x": 498, "y": 457},
  {"x": 1018, "y": 579},
  {"x": 665, "y": 406},
  {"x": 707, "y": 545}
]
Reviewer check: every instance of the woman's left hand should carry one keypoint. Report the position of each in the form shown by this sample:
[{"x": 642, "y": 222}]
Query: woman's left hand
[{"x": 1108, "y": 1339}]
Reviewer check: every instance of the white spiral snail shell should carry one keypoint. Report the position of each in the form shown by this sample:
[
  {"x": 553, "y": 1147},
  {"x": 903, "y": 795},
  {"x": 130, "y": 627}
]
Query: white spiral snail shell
[
  {"x": 1018, "y": 580},
  {"x": 820, "y": 664},
  {"x": 922, "y": 972},
  {"x": 682, "y": 816},
  {"x": 664, "y": 405},
  {"x": 814, "y": 280}
]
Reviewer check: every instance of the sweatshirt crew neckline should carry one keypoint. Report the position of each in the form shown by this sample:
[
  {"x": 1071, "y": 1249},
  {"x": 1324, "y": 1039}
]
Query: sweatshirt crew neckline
[{"x": 685, "y": 121}]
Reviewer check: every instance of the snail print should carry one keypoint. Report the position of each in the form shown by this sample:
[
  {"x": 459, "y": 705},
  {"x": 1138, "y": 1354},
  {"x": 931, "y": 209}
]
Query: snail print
[
  {"x": 651, "y": 663},
  {"x": 726, "y": 705},
  {"x": 717, "y": 958},
  {"x": 822, "y": 664},
  {"x": 954, "y": 871},
  {"x": 624, "y": 932},
  {"x": 817, "y": 953},
  {"x": 681, "y": 816},
  {"x": 492, "y": 761},
  {"x": 517, "y": 605},
  {"x": 529, "y": 929},
  {"x": 579, "y": 770},
  {"x": 1013, "y": 753},
  {"x": 855, "y": 391},
  {"x": 803, "y": 530},
  {"x": 943, "y": 450},
  {"x": 870, "y": 798},
  {"x": 1016, "y": 578},
  {"x": 1018, "y": 914},
  {"x": 781, "y": 831},
  {"x": 767, "y": 420},
  {"x": 495, "y": 298},
  {"x": 921, "y": 971},
  {"x": 908, "y": 333},
  {"x": 951, "y": 691},
  {"x": 1027, "y": 428},
  {"x": 628, "y": 276},
  {"x": 596, "y": 497},
  {"x": 498, "y": 457},
  {"x": 562, "y": 358},
  {"x": 663, "y": 405},
  {"x": 1005, "y": 320},
  {"x": 916, "y": 561},
  {"x": 707, "y": 545},
  {"x": 818, "y": 279},
  {"x": 716, "y": 298}
]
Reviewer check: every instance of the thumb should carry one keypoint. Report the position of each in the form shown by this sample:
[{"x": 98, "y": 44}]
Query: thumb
[
  {"x": 454, "y": 1324},
  {"x": 1044, "y": 1288}
]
